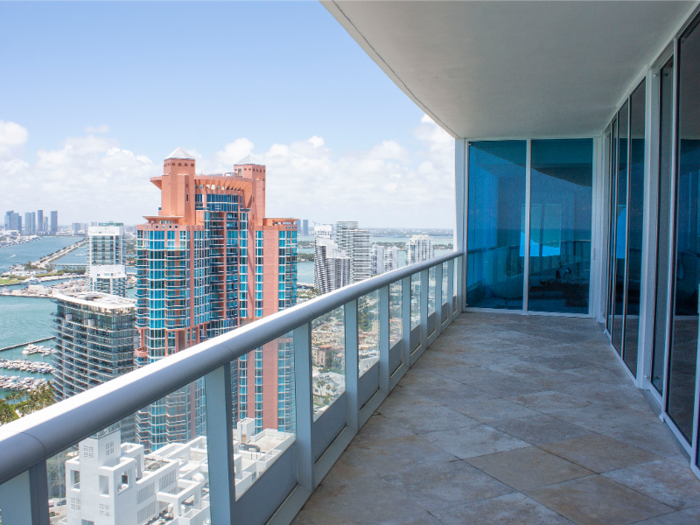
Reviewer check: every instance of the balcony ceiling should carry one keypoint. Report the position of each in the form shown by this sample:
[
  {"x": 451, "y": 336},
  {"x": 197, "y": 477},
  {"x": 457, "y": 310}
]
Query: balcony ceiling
[{"x": 514, "y": 69}]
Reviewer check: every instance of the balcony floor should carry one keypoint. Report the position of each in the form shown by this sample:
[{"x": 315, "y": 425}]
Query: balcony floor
[{"x": 511, "y": 419}]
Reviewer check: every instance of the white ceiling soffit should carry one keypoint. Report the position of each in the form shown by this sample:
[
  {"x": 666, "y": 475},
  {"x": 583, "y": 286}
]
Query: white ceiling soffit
[{"x": 513, "y": 69}]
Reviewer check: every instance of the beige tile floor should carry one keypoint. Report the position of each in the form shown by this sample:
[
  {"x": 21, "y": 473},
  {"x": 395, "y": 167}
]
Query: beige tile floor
[{"x": 511, "y": 419}]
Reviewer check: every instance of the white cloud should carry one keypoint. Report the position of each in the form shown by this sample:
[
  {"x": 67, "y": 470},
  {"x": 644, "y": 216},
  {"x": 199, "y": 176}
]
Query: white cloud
[
  {"x": 91, "y": 178},
  {"x": 87, "y": 179},
  {"x": 103, "y": 128},
  {"x": 12, "y": 137}
]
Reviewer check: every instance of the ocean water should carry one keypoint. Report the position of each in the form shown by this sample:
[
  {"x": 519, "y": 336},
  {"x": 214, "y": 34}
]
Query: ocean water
[{"x": 31, "y": 251}]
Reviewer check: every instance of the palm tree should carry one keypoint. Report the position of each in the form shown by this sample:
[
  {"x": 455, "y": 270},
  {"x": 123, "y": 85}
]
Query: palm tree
[{"x": 7, "y": 412}]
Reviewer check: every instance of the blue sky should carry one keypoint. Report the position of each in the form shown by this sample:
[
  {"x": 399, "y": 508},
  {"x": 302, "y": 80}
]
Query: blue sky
[{"x": 87, "y": 79}]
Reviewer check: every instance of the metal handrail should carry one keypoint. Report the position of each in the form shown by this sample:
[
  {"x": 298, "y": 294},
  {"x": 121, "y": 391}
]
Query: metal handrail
[{"x": 38, "y": 436}]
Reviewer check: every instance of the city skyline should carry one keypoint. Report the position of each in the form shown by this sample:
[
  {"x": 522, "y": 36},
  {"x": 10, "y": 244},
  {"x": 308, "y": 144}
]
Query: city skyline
[{"x": 101, "y": 144}]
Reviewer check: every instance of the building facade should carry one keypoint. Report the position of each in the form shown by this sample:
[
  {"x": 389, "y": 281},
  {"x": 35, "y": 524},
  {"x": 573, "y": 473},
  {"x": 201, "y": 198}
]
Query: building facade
[
  {"x": 209, "y": 262},
  {"x": 355, "y": 243},
  {"x": 54, "y": 223},
  {"x": 39, "y": 221},
  {"x": 106, "y": 258},
  {"x": 95, "y": 336},
  {"x": 419, "y": 248}
]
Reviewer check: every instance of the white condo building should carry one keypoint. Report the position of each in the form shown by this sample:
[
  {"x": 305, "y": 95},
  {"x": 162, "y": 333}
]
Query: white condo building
[
  {"x": 355, "y": 243},
  {"x": 384, "y": 259},
  {"x": 331, "y": 264},
  {"x": 106, "y": 258},
  {"x": 114, "y": 483},
  {"x": 419, "y": 248}
]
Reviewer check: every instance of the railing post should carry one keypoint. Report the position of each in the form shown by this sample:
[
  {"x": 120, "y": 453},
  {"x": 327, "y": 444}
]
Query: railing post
[
  {"x": 438, "y": 299},
  {"x": 25, "y": 498},
  {"x": 406, "y": 320},
  {"x": 222, "y": 479},
  {"x": 424, "y": 291},
  {"x": 352, "y": 409},
  {"x": 384, "y": 339},
  {"x": 304, "y": 407},
  {"x": 450, "y": 288}
]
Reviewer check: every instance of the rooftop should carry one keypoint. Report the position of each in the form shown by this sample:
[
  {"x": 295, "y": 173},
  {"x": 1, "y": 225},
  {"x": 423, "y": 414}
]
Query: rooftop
[
  {"x": 101, "y": 300},
  {"x": 180, "y": 153},
  {"x": 508, "y": 419}
]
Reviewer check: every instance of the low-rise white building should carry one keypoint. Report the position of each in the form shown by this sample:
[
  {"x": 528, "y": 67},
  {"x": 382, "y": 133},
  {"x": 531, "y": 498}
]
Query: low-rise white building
[{"x": 114, "y": 483}]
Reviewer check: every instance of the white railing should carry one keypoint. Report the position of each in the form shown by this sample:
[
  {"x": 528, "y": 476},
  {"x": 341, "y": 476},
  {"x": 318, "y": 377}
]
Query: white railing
[{"x": 281, "y": 489}]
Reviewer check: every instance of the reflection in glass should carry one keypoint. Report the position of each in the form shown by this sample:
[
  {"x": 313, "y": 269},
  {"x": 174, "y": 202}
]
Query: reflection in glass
[
  {"x": 635, "y": 217},
  {"x": 612, "y": 167},
  {"x": 681, "y": 381},
  {"x": 431, "y": 291},
  {"x": 620, "y": 231},
  {"x": 395, "y": 313},
  {"x": 664, "y": 226},
  {"x": 560, "y": 225},
  {"x": 328, "y": 354},
  {"x": 415, "y": 300},
  {"x": 496, "y": 224},
  {"x": 368, "y": 331}
]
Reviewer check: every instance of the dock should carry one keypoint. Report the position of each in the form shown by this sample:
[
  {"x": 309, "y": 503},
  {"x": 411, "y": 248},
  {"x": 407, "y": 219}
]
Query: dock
[{"x": 29, "y": 343}]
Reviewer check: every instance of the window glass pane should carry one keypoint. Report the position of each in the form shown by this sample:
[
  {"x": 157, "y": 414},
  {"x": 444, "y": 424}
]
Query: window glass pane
[
  {"x": 368, "y": 331},
  {"x": 681, "y": 382},
  {"x": 620, "y": 230},
  {"x": 560, "y": 225},
  {"x": 431, "y": 291},
  {"x": 415, "y": 300},
  {"x": 328, "y": 354},
  {"x": 496, "y": 224},
  {"x": 612, "y": 163},
  {"x": 395, "y": 313},
  {"x": 636, "y": 225},
  {"x": 663, "y": 241}
]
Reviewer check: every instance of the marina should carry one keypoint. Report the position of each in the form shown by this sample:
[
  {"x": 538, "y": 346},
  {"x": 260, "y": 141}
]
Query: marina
[
  {"x": 22, "y": 365},
  {"x": 22, "y": 384}
]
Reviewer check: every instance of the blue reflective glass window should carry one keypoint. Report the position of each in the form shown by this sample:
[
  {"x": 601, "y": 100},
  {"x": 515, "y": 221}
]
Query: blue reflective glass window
[
  {"x": 496, "y": 224},
  {"x": 561, "y": 184}
]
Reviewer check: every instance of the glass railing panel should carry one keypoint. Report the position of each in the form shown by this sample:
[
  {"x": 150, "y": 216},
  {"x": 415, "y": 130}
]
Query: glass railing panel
[
  {"x": 328, "y": 357},
  {"x": 264, "y": 410},
  {"x": 415, "y": 300},
  {"x": 151, "y": 469},
  {"x": 445, "y": 276},
  {"x": 431, "y": 290},
  {"x": 368, "y": 331},
  {"x": 395, "y": 313}
]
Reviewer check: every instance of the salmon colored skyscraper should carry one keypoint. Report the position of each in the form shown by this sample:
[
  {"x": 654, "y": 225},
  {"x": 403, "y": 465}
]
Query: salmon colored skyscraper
[{"x": 209, "y": 262}]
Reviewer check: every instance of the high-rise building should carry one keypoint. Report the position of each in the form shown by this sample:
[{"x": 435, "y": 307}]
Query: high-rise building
[
  {"x": 305, "y": 227},
  {"x": 419, "y": 248},
  {"x": 391, "y": 258},
  {"x": 377, "y": 258},
  {"x": 54, "y": 223},
  {"x": 355, "y": 243},
  {"x": 211, "y": 261},
  {"x": 39, "y": 221},
  {"x": 95, "y": 336},
  {"x": 46, "y": 225},
  {"x": 331, "y": 264},
  {"x": 29, "y": 223},
  {"x": 8, "y": 219},
  {"x": 106, "y": 258}
]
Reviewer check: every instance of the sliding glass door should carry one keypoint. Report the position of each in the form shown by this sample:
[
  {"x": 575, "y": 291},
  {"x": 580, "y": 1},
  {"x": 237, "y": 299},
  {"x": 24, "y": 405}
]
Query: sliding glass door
[
  {"x": 557, "y": 243},
  {"x": 686, "y": 252}
]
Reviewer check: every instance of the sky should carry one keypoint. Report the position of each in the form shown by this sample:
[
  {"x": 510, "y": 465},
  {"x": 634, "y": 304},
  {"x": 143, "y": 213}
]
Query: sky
[{"x": 94, "y": 96}]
